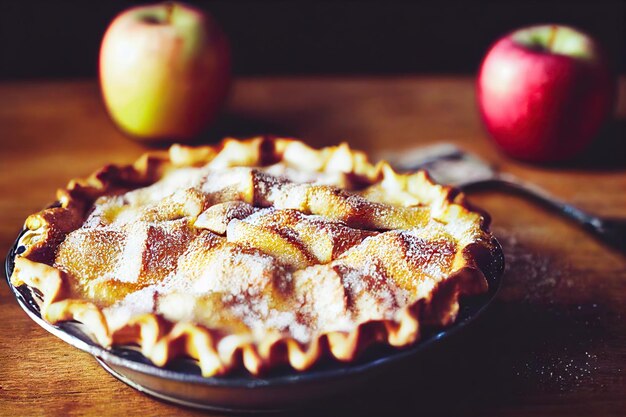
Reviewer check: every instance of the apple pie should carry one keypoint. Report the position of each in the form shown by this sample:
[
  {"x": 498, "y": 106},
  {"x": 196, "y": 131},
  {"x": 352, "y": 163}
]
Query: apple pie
[{"x": 255, "y": 254}]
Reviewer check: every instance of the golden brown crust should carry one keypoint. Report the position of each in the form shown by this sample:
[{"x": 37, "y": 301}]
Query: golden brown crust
[{"x": 161, "y": 340}]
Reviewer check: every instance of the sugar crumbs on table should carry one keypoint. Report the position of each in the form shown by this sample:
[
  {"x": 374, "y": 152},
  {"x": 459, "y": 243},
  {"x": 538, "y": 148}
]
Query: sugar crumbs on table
[{"x": 530, "y": 275}]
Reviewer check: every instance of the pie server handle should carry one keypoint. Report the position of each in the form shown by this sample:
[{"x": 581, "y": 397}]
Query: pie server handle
[{"x": 610, "y": 231}]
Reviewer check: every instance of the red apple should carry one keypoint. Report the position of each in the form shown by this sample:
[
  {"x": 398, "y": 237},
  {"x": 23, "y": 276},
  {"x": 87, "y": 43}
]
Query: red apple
[
  {"x": 544, "y": 92},
  {"x": 164, "y": 71}
]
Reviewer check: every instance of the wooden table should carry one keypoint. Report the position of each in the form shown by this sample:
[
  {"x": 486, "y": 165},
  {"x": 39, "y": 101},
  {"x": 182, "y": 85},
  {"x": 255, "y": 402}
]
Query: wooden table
[{"x": 554, "y": 343}]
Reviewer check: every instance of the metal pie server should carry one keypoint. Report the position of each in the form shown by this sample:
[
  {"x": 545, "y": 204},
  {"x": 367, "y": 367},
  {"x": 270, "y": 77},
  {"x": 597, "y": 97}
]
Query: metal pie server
[{"x": 447, "y": 164}]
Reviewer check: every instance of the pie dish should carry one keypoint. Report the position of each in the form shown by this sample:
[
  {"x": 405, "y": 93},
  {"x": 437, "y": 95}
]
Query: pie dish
[{"x": 255, "y": 254}]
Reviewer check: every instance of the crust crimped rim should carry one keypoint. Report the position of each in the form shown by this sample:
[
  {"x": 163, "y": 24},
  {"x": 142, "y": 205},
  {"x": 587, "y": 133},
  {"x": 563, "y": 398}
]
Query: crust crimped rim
[{"x": 161, "y": 340}]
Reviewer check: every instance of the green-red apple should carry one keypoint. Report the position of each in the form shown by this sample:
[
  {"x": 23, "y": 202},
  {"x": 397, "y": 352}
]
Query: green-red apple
[
  {"x": 544, "y": 92},
  {"x": 164, "y": 71}
]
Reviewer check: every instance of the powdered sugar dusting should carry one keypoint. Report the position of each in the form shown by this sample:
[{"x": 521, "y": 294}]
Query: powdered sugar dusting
[
  {"x": 372, "y": 293},
  {"x": 171, "y": 248},
  {"x": 129, "y": 264},
  {"x": 133, "y": 305},
  {"x": 534, "y": 275}
]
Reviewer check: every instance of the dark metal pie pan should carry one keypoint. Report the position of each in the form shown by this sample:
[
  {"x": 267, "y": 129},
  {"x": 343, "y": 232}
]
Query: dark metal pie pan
[{"x": 181, "y": 382}]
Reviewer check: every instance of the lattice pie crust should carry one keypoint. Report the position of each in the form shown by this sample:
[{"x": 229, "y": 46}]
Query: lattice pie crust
[{"x": 254, "y": 253}]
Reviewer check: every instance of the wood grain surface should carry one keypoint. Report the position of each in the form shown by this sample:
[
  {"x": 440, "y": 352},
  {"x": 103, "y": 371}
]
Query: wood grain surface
[{"x": 554, "y": 343}]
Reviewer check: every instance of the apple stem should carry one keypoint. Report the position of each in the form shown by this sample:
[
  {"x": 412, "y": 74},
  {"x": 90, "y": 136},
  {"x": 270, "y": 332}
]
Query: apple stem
[
  {"x": 552, "y": 37},
  {"x": 169, "y": 10}
]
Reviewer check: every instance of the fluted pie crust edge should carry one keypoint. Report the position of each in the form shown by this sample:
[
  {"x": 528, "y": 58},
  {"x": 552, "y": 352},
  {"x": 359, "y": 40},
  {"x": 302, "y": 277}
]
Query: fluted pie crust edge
[{"x": 161, "y": 340}]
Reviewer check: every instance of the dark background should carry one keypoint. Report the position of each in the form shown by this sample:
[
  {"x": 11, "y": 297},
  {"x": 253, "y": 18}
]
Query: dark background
[{"x": 60, "y": 39}]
